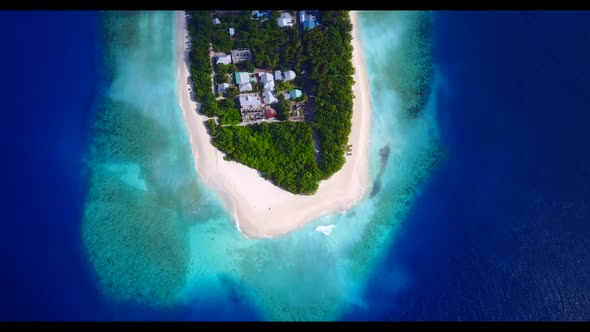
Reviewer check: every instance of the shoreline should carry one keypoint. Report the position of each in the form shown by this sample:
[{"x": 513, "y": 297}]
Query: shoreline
[{"x": 259, "y": 208}]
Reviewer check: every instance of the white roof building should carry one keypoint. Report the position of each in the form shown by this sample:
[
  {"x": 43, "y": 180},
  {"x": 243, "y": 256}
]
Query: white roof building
[
  {"x": 225, "y": 59},
  {"x": 286, "y": 20},
  {"x": 221, "y": 88},
  {"x": 286, "y": 95},
  {"x": 216, "y": 21},
  {"x": 269, "y": 98},
  {"x": 245, "y": 87},
  {"x": 269, "y": 86},
  {"x": 278, "y": 75},
  {"x": 290, "y": 75},
  {"x": 250, "y": 101},
  {"x": 265, "y": 77},
  {"x": 232, "y": 32}
]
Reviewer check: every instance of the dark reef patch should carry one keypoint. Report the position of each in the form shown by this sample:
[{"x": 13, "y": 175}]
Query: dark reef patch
[{"x": 384, "y": 155}]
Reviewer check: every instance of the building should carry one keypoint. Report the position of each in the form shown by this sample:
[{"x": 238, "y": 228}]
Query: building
[
  {"x": 285, "y": 20},
  {"x": 270, "y": 113},
  {"x": 249, "y": 101},
  {"x": 216, "y": 21},
  {"x": 286, "y": 95},
  {"x": 278, "y": 75},
  {"x": 269, "y": 86},
  {"x": 224, "y": 59},
  {"x": 265, "y": 77},
  {"x": 295, "y": 94},
  {"x": 301, "y": 15},
  {"x": 290, "y": 75},
  {"x": 308, "y": 20},
  {"x": 242, "y": 77},
  {"x": 232, "y": 32},
  {"x": 244, "y": 87},
  {"x": 242, "y": 54},
  {"x": 267, "y": 80},
  {"x": 258, "y": 14},
  {"x": 221, "y": 88},
  {"x": 309, "y": 24},
  {"x": 269, "y": 98}
]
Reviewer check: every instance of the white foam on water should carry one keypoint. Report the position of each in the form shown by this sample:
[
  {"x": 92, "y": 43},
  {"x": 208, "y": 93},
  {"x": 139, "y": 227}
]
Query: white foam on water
[{"x": 327, "y": 230}]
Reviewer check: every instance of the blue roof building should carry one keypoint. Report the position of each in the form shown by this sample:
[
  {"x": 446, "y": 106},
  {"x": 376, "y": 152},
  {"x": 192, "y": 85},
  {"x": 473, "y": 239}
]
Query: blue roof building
[
  {"x": 308, "y": 20},
  {"x": 260, "y": 14},
  {"x": 295, "y": 93},
  {"x": 242, "y": 77},
  {"x": 309, "y": 24},
  {"x": 302, "y": 16}
]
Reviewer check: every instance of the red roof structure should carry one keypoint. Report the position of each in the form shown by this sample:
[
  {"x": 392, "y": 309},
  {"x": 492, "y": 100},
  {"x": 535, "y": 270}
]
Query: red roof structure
[{"x": 270, "y": 113}]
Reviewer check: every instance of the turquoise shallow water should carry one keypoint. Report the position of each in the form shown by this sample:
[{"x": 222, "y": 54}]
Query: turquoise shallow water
[
  {"x": 156, "y": 236},
  {"x": 498, "y": 231}
]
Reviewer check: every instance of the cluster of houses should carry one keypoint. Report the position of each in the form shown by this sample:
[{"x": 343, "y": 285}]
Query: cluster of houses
[
  {"x": 231, "y": 31},
  {"x": 308, "y": 20},
  {"x": 236, "y": 56},
  {"x": 253, "y": 105}
]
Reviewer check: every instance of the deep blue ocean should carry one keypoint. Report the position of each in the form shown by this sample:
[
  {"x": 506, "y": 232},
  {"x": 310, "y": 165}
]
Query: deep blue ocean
[
  {"x": 501, "y": 230},
  {"x": 51, "y": 75}
]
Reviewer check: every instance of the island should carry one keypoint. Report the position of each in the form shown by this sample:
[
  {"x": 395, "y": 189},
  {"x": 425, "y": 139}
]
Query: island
[{"x": 276, "y": 131}]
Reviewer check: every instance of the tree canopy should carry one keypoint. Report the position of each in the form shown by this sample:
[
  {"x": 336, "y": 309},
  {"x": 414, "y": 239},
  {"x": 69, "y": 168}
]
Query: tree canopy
[
  {"x": 283, "y": 152},
  {"x": 329, "y": 58}
]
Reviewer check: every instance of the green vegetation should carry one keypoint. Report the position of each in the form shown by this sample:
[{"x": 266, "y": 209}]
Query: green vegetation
[
  {"x": 284, "y": 86},
  {"x": 212, "y": 126},
  {"x": 259, "y": 87},
  {"x": 283, "y": 108},
  {"x": 232, "y": 91},
  {"x": 282, "y": 152},
  {"x": 302, "y": 98},
  {"x": 271, "y": 46},
  {"x": 221, "y": 40},
  {"x": 222, "y": 78},
  {"x": 228, "y": 112},
  {"x": 249, "y": 66},
  {"x": 329, "y": 56},
  {"x": 225, "y": 69},
  {"x": 199, "y": 27}
]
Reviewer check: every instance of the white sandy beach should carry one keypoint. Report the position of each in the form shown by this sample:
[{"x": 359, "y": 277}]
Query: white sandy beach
[{"x": 261, "y": 209}]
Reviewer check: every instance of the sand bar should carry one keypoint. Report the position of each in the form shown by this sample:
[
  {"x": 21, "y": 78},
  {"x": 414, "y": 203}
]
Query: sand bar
[{"x": 261, "y": 209}]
